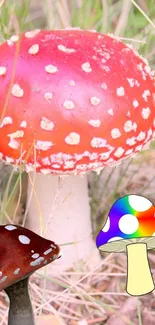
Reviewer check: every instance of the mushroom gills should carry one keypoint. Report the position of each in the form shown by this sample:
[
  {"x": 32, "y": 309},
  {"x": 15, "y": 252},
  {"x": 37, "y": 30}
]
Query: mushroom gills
[
  {"x": 20, "y": 310},
  {"x": 139, "y": 277}
]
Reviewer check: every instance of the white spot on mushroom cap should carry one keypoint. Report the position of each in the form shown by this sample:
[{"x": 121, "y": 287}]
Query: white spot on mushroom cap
[
  {"x": 37, "y": 261},
  {"x": 95, "y": 123},
  {"x": 119, "y": 152},
  {"x": 16, "y": 271},
  {"x": 9, "y": 160},
  {"x": 2, "y": 71},
  {"x": 115, "y": 239},
  {"x": 128, "y": 152},
  {"x": 17, "y": 91},
  {"x": 106, "y": 55},
  {"x": 95, "y": 100},
  {"x": 131, "y": 141},
  {"x": 14, "y": 38},
  {"x": 129, "y": 126},
  {"x": 48, "y": 251},
  {"x": 48, "y": 96},
  {"x": 120, "y": 91},
  {"x": 17, "y": 134},
  {"x": 72, "y": 83},
  {"x": 68, "y": 104},
  {"x": 98, "y": 142},
  {"x": 1, "y": 273},
  {"x": 34, "y": 49},
  {"x": 111, "y": 162},
  {"x": 6, "y": 120},
  {"x": 104, "y": 155},
  {"x": 65, "y": 49},
  {"x": 128, "y": 224},
  {"x": 146, "y": 113},
  {"x": 86, "y": 67},
  {"x": 115, "y": 133},
  {"x": 73, "y": 138},
  {"x": 46, "y": 161},
  {"x": 36, "y": 255},
  {"x": 32, "y": 33},
  {"x": 105, "y": 67},
  {"x": 141, "y": 136},
  {"x": 45, "y": 171},
  {"x": 110, "y": 111},
  {"x": 54, "y": 257},
  {"x": 139, "y": 203},
  {"x": 135, "y": 103},
  {"x": 133, "y": 82},
  {"x": 10, "y": 227},
  {"x": 104, "y": 86},
  {"x": 148, "y": 139},
  {"x": 53, "y": 246},
  {"x": 13, "y": 144},
  {"x": 3, "y": 279},
  {"x": 148, "y": 69},
  {"x": 46, "y": 124},
  {"x": 107, "y": 225},
  {"x": 23, "y": 124},
  {"x": 69, "y": 164},
  {"x": 24, "y": 239},
  {"x": 29, "y": 168},
  {"x": 146, "y": 93},
  {"x": 51, "y": 68},
  {"x": 43, "y": 145},
  {"x": 9, "y": 42},
  {"x": 139, "y": 148}
]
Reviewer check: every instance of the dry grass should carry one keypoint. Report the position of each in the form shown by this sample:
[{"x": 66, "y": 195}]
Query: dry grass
[{"x": 82, "y": 297}]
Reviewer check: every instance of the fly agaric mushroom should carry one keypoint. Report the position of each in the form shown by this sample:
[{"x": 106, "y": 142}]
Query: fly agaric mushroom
[
  {"x": 71, "y": 101},
  {"x": 130, "y": 227},
  {"x": 22, "y": 253}
]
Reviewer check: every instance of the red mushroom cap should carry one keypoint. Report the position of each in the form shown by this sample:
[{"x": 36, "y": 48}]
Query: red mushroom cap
[
  {"x": 22, "y": 252},
  {"x": 73, "y": 100}
]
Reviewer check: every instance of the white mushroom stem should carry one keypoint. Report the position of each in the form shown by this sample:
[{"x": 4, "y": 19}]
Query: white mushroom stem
[
  {"x": 64, "y": 207},
  {"x": 139, "y": 280}
]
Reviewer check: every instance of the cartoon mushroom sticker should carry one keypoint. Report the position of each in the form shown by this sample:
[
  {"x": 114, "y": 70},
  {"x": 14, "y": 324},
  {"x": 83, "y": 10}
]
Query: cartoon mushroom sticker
[
  {"x": 71, "y": 101},
  {"x": 130, "y": 228},
  {"x": 22, "y": 253}
]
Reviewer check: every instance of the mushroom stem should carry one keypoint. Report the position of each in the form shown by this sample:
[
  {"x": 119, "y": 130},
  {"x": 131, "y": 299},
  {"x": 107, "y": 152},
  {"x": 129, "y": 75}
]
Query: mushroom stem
[
  {"x": 64, "y": 205},
  {"x": 20, "y": 311},
  {"x": 139, "y": 277}
]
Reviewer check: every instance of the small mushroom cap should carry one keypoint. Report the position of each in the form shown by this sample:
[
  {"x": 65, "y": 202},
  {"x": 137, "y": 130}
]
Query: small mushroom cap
[
  {"x": 131, "y": 219},
  {"x": 73, "y": 101},
  {"x": 22, "y": 253}
]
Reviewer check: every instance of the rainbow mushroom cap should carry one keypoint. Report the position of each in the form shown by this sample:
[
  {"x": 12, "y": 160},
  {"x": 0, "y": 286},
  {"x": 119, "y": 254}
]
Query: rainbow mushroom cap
[
  {"x": 22, "y": 253},
  {"x": 130, "y": 228},
  {"x": 71, "y": 101}
]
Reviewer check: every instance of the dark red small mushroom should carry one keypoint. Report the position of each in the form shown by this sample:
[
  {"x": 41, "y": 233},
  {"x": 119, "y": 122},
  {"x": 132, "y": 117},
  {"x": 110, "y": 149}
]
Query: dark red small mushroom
[{"x": 22, "y": 252}]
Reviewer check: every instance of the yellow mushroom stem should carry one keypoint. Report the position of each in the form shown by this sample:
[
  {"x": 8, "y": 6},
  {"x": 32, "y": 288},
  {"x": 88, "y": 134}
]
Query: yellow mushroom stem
[{"x": 139, "y": 277}]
